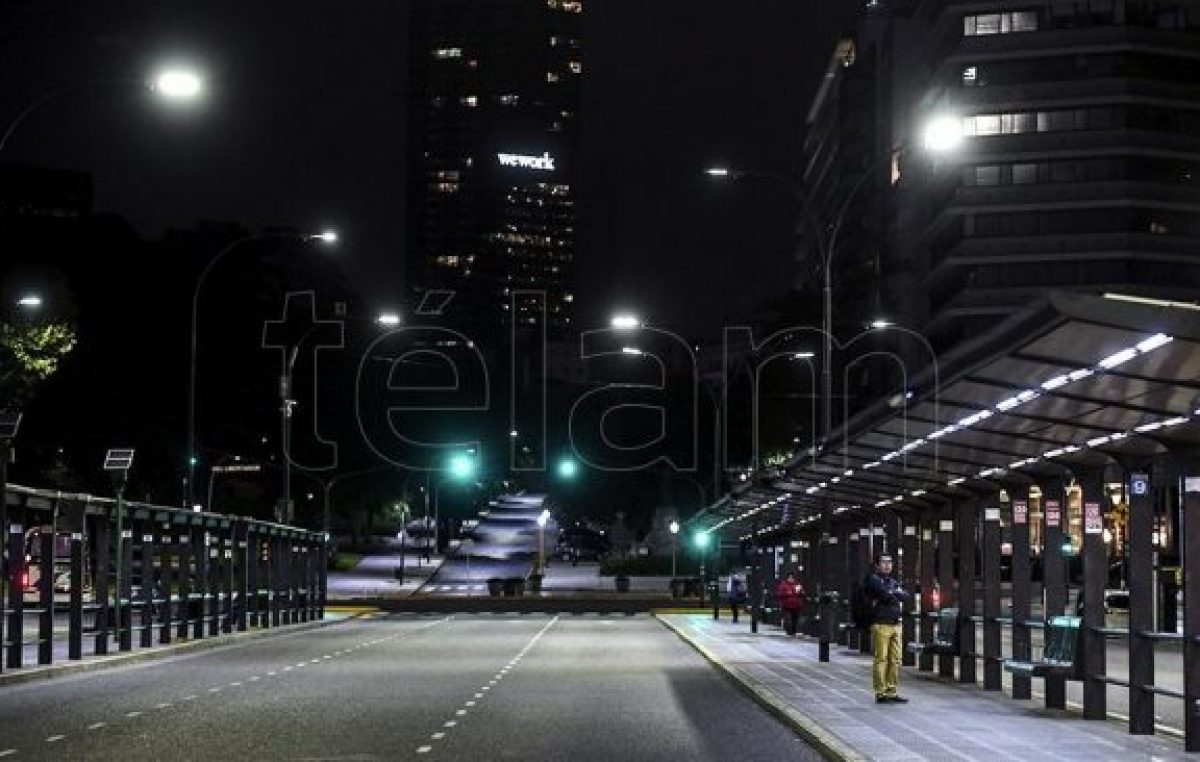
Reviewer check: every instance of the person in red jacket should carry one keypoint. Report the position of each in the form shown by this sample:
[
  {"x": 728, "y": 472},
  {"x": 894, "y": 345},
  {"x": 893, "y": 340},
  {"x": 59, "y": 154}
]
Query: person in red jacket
[{"x": 790, "y": 595}]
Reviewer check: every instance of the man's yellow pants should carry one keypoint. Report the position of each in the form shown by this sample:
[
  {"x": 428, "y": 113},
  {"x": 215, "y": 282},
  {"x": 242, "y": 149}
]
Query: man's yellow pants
[{"x": 886, "y": 670}]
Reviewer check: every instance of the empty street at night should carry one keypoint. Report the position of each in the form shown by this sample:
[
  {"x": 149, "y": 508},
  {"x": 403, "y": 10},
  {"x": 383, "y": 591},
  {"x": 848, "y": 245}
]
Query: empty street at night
[{"x": 401, "y": 687}]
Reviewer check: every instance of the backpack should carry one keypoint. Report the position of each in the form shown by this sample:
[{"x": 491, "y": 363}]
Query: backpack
[{"x": 862, "y": 610}]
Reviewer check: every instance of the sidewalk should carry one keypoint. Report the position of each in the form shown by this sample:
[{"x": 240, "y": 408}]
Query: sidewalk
[
  {"x": 833, "y": 706},
  {"x": 375, "y": 576}
]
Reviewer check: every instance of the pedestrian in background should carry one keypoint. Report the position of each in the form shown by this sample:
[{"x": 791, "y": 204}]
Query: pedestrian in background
[
  {"x": 886, "y": 596},
  {"x": 737, "y": 593},
  {"x": 789, "y": 594}
]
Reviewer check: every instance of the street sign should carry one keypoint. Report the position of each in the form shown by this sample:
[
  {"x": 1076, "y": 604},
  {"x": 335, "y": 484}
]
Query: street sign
[
  {"x": 1020, "y": 512},
  {"x": 1053, "y": 513},
  {"x": 240, "y": 468},
  {"x": 1093, "y": 520},
  {"x": 118, "y": 459}
]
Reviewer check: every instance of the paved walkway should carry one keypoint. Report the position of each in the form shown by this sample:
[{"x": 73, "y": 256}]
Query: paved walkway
[
  {"x": 833, "y": 706},
  {"x": 375, "y": 576}
]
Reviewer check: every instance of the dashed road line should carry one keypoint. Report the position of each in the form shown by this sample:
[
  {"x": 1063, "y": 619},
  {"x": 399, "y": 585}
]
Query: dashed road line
[
  {"x": 133, "y": 714},
  {"x": 8, "y": 752},
  {"x": 97, "y": 725},
  {"x": 424, "y": 749},
  {"x": 55, "y": 739}
]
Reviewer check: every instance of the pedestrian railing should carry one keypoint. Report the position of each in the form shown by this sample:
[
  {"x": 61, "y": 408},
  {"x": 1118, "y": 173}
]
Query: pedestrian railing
[{"x": 170, "y": 573}]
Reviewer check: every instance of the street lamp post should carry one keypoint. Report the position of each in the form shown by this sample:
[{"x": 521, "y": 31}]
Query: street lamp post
[
  {"x": 674, "y": 527},
  {"x": 941, "y": 135},
  {"x": 542, "y": 518},
  {"x": 328, "y": 237}
]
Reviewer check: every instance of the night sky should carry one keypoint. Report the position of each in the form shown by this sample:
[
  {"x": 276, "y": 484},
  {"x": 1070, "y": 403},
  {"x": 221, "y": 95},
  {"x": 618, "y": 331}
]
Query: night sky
[{"x": 305, "y": 124}]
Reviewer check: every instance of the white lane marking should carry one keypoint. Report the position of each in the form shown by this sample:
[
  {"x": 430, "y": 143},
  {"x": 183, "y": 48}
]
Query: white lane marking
[
  {"x": 164, "y": 705},
  {"x": 54, "y": 739},
  {"x": 255, "y": 679},
  {"x": 96, "y": 725},
  {"x": 235, "y": 684},
  {"x": 315, "y": 661},
  {"x": 190, "y": 698},
  {"x": 7, "y": 752},
  {"x": 478, "y": 695},
  {"x": 449, "y": 724},
  {"x": 486, "y": 688},
  {"x": 271, "y": 674},
  {"x": 438, "y": 736},
  {"x": 461, "y": 713},
  {"x": 469, "y": 703},
  {"x": 133, "y": 714},
  {"x": 424, "y": 749},
  {"x": 214, "y": 690}
]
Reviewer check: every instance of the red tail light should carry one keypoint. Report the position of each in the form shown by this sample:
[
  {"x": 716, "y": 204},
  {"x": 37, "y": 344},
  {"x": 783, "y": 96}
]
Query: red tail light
[
  {"x": 936, "y": 598},
  {"x": 25, "y": 579}
]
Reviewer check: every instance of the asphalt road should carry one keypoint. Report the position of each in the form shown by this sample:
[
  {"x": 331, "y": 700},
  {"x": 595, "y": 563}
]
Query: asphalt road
[{"x": 408, "y": 687}]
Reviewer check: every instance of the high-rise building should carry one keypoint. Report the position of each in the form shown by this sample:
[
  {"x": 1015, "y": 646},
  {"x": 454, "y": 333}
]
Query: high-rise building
[
  {"x": 1079, "y": 169},
  {"x": 494, "y": 131},
  {"x": 1081, "y": 164}
]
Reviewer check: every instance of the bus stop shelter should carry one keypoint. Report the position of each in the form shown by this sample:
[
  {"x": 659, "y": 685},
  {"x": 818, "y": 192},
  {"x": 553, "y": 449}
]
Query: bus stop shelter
[{"x": 1060, "y": 450}]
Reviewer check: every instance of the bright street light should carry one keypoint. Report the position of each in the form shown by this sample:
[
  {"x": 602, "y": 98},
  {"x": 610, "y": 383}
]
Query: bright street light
[
  {"x": 513, "y": 434},
  {"x": 878, "y": 324},
  {"x": 178, "y": 84},
  {"x": 717, "y": 172},
  {"x": 943, "y": 134},
  {"x": 701, "y": 539},
  {"x": 803, "y": 356},
  {"x": 631, "y": 351},
  {"x": 388, "y": 319},
  {"x": 30, "y": 301},
  {"x": 328, "y": 236},
  {"x": 625, "y": 322},
  {"x": 674, "y": 527}
]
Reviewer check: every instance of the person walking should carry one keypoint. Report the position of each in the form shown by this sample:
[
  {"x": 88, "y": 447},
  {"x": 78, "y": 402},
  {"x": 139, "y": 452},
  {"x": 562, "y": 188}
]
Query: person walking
[
  {"x": 886, "y": 596},
  {"x": 789, "y": 594},
  {"x": 737, "y": 593}
]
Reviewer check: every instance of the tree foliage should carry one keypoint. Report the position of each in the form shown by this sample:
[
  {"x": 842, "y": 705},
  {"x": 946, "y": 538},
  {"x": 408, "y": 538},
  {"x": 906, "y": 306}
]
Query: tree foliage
[{"x": 29, "y": 354}]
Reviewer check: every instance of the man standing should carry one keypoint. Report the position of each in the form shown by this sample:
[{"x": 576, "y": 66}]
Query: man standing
[{"x": 885, "y": 595}]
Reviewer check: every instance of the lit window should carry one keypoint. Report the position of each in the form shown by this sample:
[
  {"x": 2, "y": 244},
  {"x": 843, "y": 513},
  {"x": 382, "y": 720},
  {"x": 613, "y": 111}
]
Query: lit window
[
  {"x": 551, "y": 76},
  {"x": 576, "y": 67},
  {"x": 999, "y": 23},
  {"x": 470, "y": 101},
  {"x": 442, "y": 54},
  {"x": 508, "y": 100},
  {"x": 969, "y": 76}
]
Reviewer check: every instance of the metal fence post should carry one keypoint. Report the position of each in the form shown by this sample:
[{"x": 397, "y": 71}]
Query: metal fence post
[
  {"x": 967, "y": 508},
  {"x": 992, "y": 666}
]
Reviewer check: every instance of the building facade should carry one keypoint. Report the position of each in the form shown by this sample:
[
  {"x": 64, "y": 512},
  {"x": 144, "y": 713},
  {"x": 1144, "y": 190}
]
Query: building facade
[
  {"x": 494, "y": 133},
  {"x": 1079, "y": 167}
]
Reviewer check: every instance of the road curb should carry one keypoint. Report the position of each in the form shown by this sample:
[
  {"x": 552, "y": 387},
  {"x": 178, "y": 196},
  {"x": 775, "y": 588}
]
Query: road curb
[
  {"x": 39, "y": 673},
  {"x": 824, "y": 742}
]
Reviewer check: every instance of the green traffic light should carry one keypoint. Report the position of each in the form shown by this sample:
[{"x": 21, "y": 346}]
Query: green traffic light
[
  {"x": 193, "y": 460},
  {"x": 567, "y": 468},
  {"x": 462, "y": 467}
]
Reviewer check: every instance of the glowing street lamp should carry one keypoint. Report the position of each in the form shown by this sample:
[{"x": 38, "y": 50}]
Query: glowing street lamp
[
  {"x": 388, "y": 319},
  {"x": 178, "y": 84},
  {"x": 30, "y": 301},
  {"x": 625, "y": 322},
  {"x": 943, "y": 134}
]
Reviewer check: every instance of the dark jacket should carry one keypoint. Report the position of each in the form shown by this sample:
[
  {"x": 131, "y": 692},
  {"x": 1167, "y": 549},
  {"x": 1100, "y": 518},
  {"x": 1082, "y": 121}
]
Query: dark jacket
[{"x": 886, "y": 597}]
